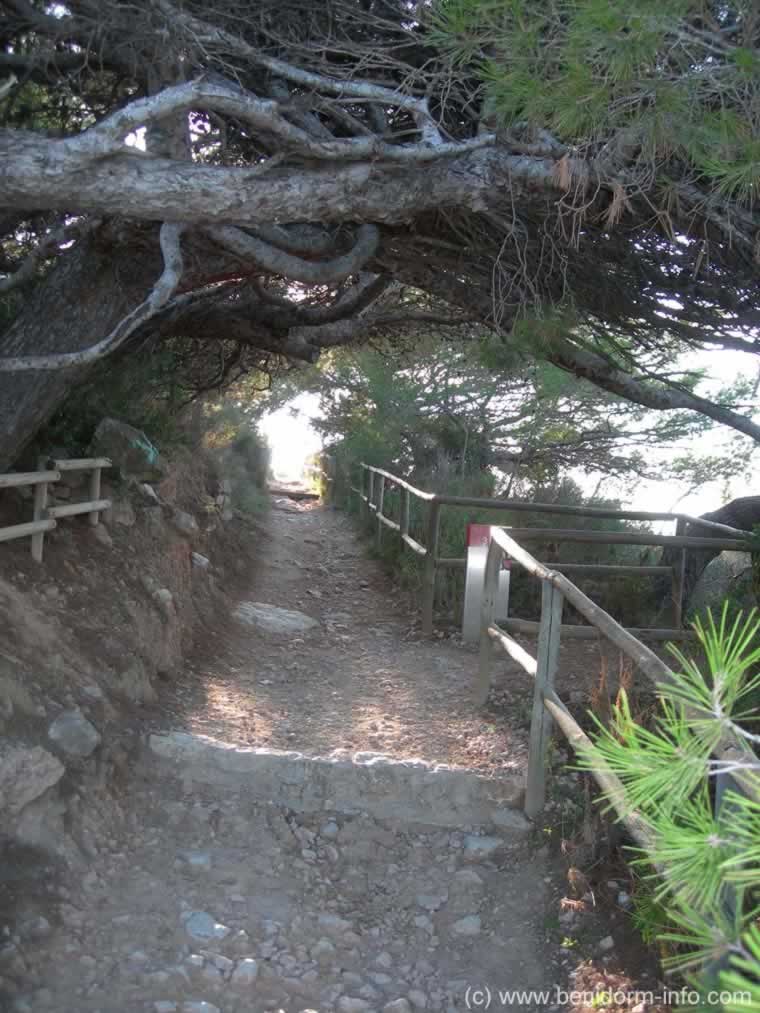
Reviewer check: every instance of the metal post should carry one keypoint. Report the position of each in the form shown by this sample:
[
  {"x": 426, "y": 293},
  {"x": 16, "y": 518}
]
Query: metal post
[
  {"x": 380, "y": 498},
  {"x": 487, "y": 615},
  {"x": 679, "y": 579},
  {"x": 40, "y": 509},
  {"x": 431, "y": 566},
  {"x": 94, "y": 516},
  {"x": 541, "y": 721}
]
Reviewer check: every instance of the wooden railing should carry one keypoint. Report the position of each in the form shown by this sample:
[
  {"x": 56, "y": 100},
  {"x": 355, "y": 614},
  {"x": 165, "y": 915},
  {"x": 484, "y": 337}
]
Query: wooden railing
[
  {"x": 375, "y": 481},
  {"x": 547, "y": 706},
  {"x": 46, "y": 517}
]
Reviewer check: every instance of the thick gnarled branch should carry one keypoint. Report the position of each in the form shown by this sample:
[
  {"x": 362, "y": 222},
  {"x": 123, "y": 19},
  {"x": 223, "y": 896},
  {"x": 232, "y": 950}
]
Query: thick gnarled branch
[
  {"x": 160, "y": 294},
  {"x": 319, "y": 272}
]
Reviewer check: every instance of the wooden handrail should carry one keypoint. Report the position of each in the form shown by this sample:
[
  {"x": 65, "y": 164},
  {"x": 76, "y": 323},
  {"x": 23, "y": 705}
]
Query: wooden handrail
[
  {"x": 372, "y": 505},
  {"x": 730, "y": 747},
  {"x": 81, "y": 463},
  {"x": 48, "y": 474},
  {"x": 628, "y": 538},
  {"x": 21, "y": 478}
]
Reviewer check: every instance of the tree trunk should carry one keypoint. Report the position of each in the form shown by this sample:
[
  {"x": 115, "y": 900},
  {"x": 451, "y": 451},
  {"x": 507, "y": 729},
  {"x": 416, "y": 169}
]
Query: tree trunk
[{"x": 83, "y": 297}]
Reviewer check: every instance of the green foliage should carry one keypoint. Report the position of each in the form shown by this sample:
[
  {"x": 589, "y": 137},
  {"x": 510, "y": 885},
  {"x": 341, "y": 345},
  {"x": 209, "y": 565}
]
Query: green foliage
[
  {"x": 448, "y": 422},
  {"x": 704, "y": 866},
  {"x": 244, "y": 455},
  {"x": 641, "y": 70},
  {"x": 141, "y": 390}
]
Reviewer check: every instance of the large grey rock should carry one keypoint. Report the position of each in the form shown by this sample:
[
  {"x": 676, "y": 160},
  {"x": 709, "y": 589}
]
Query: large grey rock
[
  {"x": 410, "y": 791},
  {"x": 25, "y": 774},
  {"x": 728, "y": 575},
  {"x": 272, "y": 619},
  {"x": 74, "y": 734},
  {"x": 129, "y": 449}
]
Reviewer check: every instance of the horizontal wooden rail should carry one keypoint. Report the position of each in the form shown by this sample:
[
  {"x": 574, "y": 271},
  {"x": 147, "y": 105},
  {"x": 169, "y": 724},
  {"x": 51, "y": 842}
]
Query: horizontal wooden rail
[
  {"x": 401, "y": 483},
  {"x": 700, "y": 522},
  {"x": 584, "y": 569},
  {"x": 519, "y": 506},
  {"x": 645, "y": 659},
  {"x": 627, "y": 538},
  {"x": 730, "y": 747},
  {"x": 24, "y": 530},
  {"x": 379, "y": 482},
  {"x": 530, "y": 628},
  {"x": 81, "y": 463},
  {"x": 513, "y": 649},
  {"x": 388, "y": 522},
  {"x": 414, "y": 545},
  {"x": 608, "y": 782},
  {"x": 47, "y": 475},
  {"x": 21, "y": 478},
  {"x": 73, "y": 509}
]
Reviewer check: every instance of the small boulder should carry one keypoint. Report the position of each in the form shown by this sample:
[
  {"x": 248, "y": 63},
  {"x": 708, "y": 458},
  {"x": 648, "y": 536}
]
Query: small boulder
[
  {"x": 121, "y": 512},
  {"x": 272, "y": 619},
  {"x": 129, "y": 450},
  {"x": 185, "y": 523},
  {"x": 134, "y": 683},
  {"x": 74, "y": 734},
  {"x": 467, "y": 926},
  {"x": 201, "y": 926},
  {"x": 149, "y": 494},
  {"x": 245, "y": 973},
  {"x": 199, "y": 561},
  {"x": 100, "y": 534},
  {"x": 165, "y": 601},
  {"x": 24, "y": 775},
  {"x": 476, "y": 848}
]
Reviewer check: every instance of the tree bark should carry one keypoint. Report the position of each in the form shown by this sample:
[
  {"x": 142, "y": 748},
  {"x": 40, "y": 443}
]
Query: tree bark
[
  {"x": 38, "y": 174},
  {"x": 84, "y": 296}
]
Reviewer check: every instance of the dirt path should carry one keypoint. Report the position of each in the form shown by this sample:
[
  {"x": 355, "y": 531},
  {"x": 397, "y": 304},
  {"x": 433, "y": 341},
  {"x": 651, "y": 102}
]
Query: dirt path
[
  {"x": 364, "y": 679},
  {"x": 239, "y": 880}
]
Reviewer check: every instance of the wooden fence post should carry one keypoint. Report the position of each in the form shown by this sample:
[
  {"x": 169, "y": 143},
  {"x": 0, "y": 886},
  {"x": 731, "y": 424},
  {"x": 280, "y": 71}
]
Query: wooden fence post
[
  {"x": 379, "y": 513},
  {"x": 94, "y": 516},
  {"x": 404, "y": 521},
  {"x": 40, "y": 507},
  {"x": 363, "y": 508},
  {"x": 679, "y": 579},
  {"x": 370, "y": 493},
  {"x": 487, "y": 616},
  {"x": 541, "y": 721},
  {"x": 431, "y": 566}
]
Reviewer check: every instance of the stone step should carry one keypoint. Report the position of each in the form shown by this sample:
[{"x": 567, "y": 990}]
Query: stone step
[{"x": 410, "y": 791}]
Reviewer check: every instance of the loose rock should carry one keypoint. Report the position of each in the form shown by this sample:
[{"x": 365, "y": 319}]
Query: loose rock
[{"x": 74, "y": 734}]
